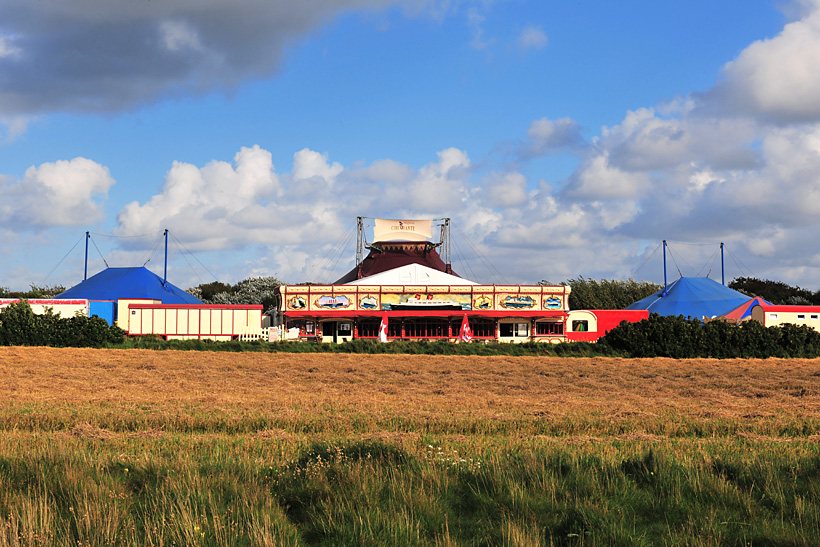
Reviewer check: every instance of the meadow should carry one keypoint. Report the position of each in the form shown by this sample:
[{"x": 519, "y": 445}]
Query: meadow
[{"x": 141, "y": 447}]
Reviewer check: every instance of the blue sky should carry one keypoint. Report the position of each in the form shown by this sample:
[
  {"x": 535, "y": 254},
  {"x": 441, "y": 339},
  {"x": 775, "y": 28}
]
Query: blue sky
[{"x": 562, "y": 138}]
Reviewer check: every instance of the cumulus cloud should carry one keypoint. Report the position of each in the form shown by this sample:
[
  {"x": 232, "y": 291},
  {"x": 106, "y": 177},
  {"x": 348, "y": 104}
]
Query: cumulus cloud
[
  {"x": 63, "y": 193},
  {"x": 205, "y": 206},
  {"x": 297, "y": 215},
  {"x": 776, "y": 79},
  {"x": 506, "y": 190}
]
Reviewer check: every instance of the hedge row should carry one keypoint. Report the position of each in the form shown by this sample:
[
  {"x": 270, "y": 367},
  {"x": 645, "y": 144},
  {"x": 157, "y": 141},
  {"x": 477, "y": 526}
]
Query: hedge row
[
  {"x": 19, "y": 326},
  {"x": 679, "y": 338},
  {"x": 406, "y": 347}
]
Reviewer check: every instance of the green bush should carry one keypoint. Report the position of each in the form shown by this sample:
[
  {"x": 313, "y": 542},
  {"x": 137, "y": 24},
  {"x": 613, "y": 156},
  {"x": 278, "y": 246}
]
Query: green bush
[
  {"x": 680, "y": 338},
  {"x": 19, "y": 326}
]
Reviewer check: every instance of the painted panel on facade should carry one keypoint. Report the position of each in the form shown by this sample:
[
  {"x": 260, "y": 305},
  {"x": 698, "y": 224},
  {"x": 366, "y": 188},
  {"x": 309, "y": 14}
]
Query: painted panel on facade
[
  {"x": 332, "y": 302},
  {"x": 553, "y": 303},
  {"x": 517, "y": 302},
  {"x": 298, "y": 302},
  {"x": 483, "y": 302},
  {"x": 368, "y": 302},
  {"x": 422, "y": 300}
]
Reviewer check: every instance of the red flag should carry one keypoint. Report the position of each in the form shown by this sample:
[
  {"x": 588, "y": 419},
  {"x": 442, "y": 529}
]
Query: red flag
[
  {"x": 383, "y": 329},
  {"x": 466, "y": 332}
]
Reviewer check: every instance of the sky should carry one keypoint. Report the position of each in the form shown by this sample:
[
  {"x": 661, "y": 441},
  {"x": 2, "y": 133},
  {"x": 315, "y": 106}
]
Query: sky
[{"x": 563, "y": 139}]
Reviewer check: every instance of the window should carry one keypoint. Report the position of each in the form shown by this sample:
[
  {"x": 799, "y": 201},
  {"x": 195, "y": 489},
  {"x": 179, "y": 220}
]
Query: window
[
  {"x": 580, "y": 325},
  {"x": 394, "y": 328},
  {"x": 814, "y": 317},
  {"x": 509, "y": 330},
  {"x": 549, "y": 328},
  {"x": 306, "y": 328},
  {"x": 482, "y": 328},
  {"x": 426, "y": 328},
  {"x": 801, "y": 316},
  {"x": 369, "y": 328},
  {"x": 344, "y": 328},
  {"x": 772, "y": 316}
]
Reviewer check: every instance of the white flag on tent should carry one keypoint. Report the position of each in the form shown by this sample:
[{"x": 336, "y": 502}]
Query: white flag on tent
[{"x": 383, "y": 329}]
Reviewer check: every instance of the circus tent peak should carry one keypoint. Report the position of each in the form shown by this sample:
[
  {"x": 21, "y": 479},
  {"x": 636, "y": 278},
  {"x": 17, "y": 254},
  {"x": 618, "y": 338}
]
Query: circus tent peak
[
  {"x": 388, "y": 255},
  {"x": 695, "y": 297},
  {"x": 128, "y": 283}
]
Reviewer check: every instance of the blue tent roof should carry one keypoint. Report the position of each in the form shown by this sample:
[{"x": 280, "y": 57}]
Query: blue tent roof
[
  {"x": 692, "y": 297},
  {"x": 123, "y": 283}
]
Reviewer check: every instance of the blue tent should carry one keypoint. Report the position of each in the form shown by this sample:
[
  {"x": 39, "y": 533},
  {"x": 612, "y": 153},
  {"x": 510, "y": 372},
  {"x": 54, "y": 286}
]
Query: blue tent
[
  {"x": 126, "y": 283},
  {"x": 692, "y": 297}
]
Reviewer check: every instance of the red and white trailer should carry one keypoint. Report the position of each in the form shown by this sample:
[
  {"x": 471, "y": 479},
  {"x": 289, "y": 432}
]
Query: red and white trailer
[{"x": 192, "y": 322}]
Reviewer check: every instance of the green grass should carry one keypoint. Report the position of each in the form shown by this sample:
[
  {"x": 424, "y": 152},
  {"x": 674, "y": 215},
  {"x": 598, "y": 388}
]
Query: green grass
[{"x": 183, "y": 489}]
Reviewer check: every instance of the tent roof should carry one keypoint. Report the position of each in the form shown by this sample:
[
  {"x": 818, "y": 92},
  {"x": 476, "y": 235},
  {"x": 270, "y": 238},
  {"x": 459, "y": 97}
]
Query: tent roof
[
  {"x": 126, "y": 283},
  {"x": 692, "y": 297},
  {"x": 388, "y": 255},
  {"x": 412, "y": 274}
]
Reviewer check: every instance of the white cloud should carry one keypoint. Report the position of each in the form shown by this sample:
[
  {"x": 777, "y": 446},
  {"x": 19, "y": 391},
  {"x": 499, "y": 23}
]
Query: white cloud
[
  {"x": 199, "y": 204},
  {"x": 63, "y": 193},
  {"x": 438, "y": 187},
  {"x": 308, "y": 164},
  {"x": 778, "y": 78},
  {"x": 506, "y": 190},
  {"x": 598, "y": 180},
  {"x": 296, "y": 216},
  {"x": 532, "y": 37}
]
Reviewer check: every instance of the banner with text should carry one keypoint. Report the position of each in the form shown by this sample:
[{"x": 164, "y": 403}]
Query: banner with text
[{"x": 402, "y": 230}]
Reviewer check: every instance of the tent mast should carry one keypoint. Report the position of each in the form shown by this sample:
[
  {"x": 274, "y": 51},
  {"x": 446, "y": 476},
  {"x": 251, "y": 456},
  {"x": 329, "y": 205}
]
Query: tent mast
[
  {"x": 165, "y": 273},
  {"x": 85, "y": 272},
  {"x": 359, "y": 246},
  {"x": 445, "y": 240},
  {"x": 722, "y": 266},
  {"x": 665, "y": 286}
]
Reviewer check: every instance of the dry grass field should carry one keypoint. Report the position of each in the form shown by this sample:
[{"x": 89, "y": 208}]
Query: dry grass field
[
  {"x": 600, "y": 396},
  {"x": 207, "y": 448}
]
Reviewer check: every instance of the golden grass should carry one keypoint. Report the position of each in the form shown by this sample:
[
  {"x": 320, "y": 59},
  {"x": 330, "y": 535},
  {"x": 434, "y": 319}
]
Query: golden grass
[{"x": 623, "y": 393}]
